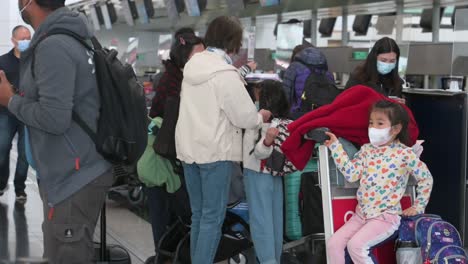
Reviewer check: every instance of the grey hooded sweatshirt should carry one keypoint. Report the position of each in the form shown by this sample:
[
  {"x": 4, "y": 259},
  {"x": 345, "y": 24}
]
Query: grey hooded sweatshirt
[{"x": 64, "y": 155}]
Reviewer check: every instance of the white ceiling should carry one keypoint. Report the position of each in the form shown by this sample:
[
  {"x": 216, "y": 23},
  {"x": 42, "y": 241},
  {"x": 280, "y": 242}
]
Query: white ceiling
[{"x": 301, "y": 8}]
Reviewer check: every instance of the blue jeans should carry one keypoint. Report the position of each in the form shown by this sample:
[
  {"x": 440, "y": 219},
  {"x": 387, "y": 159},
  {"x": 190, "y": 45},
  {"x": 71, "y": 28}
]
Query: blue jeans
[
  {"x": 207, "y": 186},
  {"x": 265, "y": 199},
  {"x": 9, "y": 126}
]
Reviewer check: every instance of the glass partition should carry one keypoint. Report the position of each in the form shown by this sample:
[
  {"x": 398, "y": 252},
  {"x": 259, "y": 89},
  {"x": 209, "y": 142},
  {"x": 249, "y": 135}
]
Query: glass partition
[
  {"x": 287, "y": 38},
  {"x": 264, "y": 40}
]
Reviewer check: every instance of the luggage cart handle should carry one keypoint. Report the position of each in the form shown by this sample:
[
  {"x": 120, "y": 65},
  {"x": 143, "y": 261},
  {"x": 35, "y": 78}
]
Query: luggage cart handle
[{"x": 324, "y": 178}]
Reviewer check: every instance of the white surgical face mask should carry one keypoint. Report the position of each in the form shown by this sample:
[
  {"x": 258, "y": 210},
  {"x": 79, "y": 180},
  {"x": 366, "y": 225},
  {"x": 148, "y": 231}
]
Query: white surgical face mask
[
  {"x": 379, "y": 136},
  {"x": 26, "y": 6}
]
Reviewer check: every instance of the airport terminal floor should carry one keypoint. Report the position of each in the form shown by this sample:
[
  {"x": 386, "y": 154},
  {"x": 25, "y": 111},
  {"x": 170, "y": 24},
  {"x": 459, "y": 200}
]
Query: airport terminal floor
[
  {"x": 21, "y": 239},
  {"x": 21, "y": 236}
]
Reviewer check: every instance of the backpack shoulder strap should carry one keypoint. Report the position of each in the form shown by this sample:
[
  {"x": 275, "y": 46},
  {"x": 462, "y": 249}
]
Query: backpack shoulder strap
[
  {"x": 61, "y": 31},
  {"x": 84, "y": 126}
]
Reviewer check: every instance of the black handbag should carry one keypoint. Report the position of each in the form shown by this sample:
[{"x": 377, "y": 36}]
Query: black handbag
[{"x": 164, "y": 145}]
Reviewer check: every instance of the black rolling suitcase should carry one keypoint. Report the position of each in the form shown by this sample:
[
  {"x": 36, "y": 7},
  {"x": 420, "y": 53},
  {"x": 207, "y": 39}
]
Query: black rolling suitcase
[
  {"x": 112, "y": 254},
  {"x": 312, "y": 208}
]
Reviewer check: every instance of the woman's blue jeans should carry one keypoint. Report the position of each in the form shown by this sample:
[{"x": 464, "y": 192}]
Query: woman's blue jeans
[{"x": 208, "y": 187}]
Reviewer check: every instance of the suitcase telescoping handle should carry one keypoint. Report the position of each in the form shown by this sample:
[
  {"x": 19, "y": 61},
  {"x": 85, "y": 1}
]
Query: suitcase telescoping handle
[{"x": 103, "y": 250}]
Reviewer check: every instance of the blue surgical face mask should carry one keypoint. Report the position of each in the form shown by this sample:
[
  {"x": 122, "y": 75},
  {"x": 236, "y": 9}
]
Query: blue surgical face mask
[
  {"x": 385, "y": 68},
  {"x": 23, "y": 45}
]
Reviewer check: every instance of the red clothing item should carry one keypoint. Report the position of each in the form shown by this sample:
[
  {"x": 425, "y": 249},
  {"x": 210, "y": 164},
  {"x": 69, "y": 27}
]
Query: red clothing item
[
  {"x": 169, "y": 85},
  {"x": 346, "y": 117}
]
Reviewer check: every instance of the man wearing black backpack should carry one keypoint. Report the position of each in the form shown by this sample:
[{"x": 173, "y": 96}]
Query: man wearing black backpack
[{"x": 73, "y": 176}]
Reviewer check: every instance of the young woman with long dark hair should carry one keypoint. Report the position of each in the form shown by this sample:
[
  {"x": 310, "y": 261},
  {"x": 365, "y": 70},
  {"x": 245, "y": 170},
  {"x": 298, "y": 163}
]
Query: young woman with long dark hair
[{"x": 380, "y": 70}]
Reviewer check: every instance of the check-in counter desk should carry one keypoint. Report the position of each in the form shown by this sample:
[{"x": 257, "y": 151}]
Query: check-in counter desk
[{"x": 442, "y": 120}]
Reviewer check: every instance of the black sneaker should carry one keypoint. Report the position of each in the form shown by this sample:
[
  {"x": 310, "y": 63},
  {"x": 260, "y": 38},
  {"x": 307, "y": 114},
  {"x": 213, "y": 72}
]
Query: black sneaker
[{"x": 21, "y": 196}]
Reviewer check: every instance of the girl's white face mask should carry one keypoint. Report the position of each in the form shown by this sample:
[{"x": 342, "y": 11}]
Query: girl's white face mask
[{"x": 379, "y": 137}]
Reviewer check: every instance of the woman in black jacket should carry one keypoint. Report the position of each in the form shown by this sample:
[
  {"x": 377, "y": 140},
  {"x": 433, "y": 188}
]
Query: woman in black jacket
[{"x": 380, "y": 70}]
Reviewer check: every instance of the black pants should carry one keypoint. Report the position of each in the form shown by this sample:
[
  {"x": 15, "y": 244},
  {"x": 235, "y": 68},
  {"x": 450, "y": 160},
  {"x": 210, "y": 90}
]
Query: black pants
[
  {"x": 158, "y": 205},
  {"x": 69, "y": 226},
  {"x": 9, "y": 127}
]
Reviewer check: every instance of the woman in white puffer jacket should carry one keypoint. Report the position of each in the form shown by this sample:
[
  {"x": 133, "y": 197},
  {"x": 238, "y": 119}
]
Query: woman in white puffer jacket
[{"x": 214, "y": 108}]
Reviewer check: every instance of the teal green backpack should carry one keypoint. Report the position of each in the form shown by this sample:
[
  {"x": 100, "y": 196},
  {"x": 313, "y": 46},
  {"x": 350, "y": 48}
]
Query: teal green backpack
[{"x": 154, "y": 170}]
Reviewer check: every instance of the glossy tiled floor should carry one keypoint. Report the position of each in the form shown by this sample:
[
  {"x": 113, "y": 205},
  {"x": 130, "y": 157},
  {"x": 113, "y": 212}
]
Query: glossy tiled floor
[
  {"x": 20, "y": 228},
  {"x": 21, "y": 233}
]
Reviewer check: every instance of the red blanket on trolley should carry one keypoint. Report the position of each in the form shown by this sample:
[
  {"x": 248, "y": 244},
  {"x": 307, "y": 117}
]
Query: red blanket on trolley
[{"x": 346, "y": 117}]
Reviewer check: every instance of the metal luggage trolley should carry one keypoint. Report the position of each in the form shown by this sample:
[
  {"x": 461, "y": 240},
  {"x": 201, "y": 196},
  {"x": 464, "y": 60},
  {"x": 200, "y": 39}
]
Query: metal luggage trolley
[{"x": 339, "y": 200}]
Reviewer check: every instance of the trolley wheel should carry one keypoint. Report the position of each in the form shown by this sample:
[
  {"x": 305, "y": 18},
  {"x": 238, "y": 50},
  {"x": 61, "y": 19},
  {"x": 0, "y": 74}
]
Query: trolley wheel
[{"x": 239, "y": 259}]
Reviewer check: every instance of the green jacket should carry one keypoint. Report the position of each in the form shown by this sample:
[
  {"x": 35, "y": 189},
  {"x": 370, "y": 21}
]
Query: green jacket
[{"x": 154, "y": 170}]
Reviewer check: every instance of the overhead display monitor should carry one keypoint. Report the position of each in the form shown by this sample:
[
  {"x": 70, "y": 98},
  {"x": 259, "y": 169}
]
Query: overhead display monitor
[
  {"x": 94, "y": 18},
  {"x": 269, "y": 2},
  {"x": 149, "y": 8},
  {"x": 127, "y": 13},
  {"x": 235, "y": 5},
  {"x": 426, "y": 19},
  {"x": 326, "y": 26},
  {"x": 106, "y": 16},
  {"x": 361, "y": 24},
  {"x": 192, "y": 7},
  {"x": 133, "y": 8},
  {"x": 141, "y": 9},
  {"x": 172, "y": 11}
]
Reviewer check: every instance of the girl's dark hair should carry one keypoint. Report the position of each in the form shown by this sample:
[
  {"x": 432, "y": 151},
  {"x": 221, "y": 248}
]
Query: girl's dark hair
[
  {"x": 184, "y": 41},
  {"x": 397, "y": 116},
  {"x": 273, "y": 98},
  {"x": 225, "y": 33},
  {"x": 51, "y": 4},
  {"x": 298, "y": 49},
  {"x": 368, "y": 71}
]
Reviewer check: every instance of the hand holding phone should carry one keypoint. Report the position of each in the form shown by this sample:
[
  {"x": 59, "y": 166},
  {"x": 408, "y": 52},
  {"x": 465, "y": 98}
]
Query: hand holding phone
[{"x": 6, "y": 89}]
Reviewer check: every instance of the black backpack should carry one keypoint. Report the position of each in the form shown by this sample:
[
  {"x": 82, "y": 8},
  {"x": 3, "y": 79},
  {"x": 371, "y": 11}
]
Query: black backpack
[
  {"x": 121, "y": 135},
  {"x": 318, "y": 89}
]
